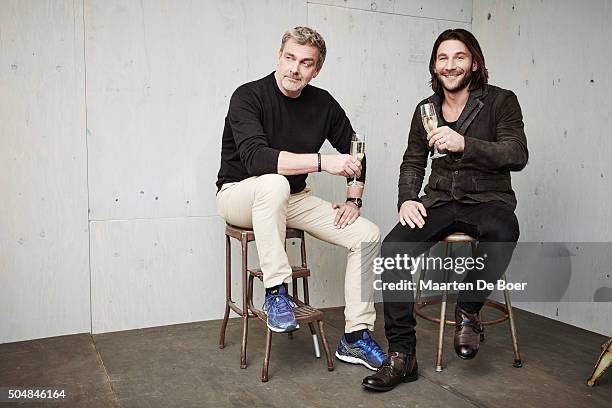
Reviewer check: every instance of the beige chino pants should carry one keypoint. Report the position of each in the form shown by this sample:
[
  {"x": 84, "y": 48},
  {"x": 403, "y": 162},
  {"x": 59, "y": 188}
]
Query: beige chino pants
[{"x": 265, "y": 204}]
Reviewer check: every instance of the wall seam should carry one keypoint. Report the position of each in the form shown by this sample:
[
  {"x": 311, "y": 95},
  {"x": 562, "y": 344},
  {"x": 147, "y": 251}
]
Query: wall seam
[
  {"x": 87, "y": 165},
  {"x": 152, "y": 218},
  {"x": 387, "y": 12}
]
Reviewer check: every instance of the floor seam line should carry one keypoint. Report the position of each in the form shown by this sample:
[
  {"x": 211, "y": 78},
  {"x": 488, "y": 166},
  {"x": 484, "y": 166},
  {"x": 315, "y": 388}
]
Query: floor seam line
[
  {"x": 108, "y": 379},
  {"x": 455, "y": 392}
]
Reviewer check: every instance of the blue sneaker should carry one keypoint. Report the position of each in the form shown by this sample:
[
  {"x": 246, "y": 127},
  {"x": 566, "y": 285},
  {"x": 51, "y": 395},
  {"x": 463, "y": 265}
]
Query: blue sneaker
[
  {"x": 279, "y": 308},
  {"x": 364, "y": 351}
]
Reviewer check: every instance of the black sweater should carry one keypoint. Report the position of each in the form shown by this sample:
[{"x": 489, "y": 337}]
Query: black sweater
[{"x": 261, "y": 122}]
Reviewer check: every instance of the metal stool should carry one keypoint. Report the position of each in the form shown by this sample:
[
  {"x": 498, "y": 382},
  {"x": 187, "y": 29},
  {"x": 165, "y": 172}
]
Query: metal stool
[
  {"x": 304, "y": 313},
  {"x": 506, "y": 309}
]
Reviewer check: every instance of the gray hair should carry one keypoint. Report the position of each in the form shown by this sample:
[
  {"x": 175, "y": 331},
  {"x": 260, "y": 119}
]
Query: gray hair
[{"x": 306, "y": 36}]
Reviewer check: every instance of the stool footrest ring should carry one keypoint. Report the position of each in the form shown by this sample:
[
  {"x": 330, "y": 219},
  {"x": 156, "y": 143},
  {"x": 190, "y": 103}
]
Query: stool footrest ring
[{"x": 419, "y": 307}]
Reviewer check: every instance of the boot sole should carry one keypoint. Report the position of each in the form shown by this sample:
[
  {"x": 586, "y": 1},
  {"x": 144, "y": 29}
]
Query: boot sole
[{"x": 406, "y": 379}]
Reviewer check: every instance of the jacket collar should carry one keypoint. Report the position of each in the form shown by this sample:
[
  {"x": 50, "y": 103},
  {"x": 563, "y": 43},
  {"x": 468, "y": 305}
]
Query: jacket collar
[{"x": 472, "y": 107}]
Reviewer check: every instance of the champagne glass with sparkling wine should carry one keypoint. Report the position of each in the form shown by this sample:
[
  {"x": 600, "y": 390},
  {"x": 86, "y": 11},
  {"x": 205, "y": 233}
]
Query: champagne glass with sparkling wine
[
  {"x": 430, "y": 122},
  {"x": 357, "y": 149}
]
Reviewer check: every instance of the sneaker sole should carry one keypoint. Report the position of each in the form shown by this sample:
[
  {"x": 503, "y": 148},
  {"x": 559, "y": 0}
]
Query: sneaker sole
[
  {"x": 287, "y": 330},
  {"x": 354, "y": 360}
]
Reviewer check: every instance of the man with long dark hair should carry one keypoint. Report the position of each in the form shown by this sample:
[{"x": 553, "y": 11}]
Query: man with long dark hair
[{"x": 480, "y": 128}]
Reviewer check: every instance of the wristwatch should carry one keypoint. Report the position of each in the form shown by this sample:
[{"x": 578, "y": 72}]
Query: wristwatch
[{"x": 357, "y": 201}]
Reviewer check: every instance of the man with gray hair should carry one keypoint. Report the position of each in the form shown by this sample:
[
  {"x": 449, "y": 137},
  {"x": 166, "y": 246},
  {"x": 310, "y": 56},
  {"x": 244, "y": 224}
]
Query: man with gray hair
[{"x": 273, "y": 131}]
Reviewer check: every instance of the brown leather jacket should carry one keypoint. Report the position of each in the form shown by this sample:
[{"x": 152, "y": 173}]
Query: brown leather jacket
[{"x": 495, "y": 145}]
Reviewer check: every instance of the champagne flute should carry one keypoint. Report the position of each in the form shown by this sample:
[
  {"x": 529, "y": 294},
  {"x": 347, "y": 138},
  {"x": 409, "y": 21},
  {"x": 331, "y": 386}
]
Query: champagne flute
[
  {"x": 430, "y": 122},
  {"x": 357, "y": 150}
]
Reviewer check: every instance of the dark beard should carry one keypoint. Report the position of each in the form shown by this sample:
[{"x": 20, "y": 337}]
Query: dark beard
[{"x": 465, "y": 81}]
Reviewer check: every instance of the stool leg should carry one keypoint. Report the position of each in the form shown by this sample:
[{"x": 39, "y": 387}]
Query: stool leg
[
  {"x": 442, "y": 317},
  {"x": 294, "y": 290},
  {"x": 228, "y": 289},
  {"x": 315, "y": 341},
  {"x": 303, "y": 249},
  {"x": 307, "y": 301},
  {"x": 422, "y": 276},
  {"x": 245, "y": 307},
  {"x": 518, "y": 363},
  {"x": 305, "y": 289},
  {"x": 330, "y": 361},
  {"x": 482, "y": 335},
  {"x": 266, "y": 362}
]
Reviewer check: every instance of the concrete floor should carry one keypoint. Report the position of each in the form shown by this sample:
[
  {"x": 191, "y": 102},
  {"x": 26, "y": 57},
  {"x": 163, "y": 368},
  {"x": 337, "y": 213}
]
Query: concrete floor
[{"x": 182, "y": 366}]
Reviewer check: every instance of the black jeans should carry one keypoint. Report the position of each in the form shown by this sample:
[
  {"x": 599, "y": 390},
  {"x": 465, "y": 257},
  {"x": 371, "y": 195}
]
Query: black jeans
[{"x": 492, "y": 222}]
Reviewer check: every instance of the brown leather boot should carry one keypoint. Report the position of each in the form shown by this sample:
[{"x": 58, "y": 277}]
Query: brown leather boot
[
  {"x": 468, "y": 333},
  {"x": 397, "y": 368}
]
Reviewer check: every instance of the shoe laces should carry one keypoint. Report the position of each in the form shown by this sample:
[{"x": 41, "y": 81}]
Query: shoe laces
[
  {"x": 477, "y": 328},
  {"x": 281, "y": 302},
  {"x": 385, "y": 368},
  {"x": 370, "y": 346}
]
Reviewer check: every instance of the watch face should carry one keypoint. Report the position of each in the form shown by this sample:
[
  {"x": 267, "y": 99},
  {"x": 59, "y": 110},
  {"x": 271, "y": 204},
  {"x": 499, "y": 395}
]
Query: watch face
[{"x": 357, "y": 201}]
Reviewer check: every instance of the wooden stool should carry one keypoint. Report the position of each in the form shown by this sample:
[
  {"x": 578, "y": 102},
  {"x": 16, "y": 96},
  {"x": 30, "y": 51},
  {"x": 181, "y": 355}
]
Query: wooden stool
[
  {"x": 304, "y": 313},
  {"x": 506, "y": 309}
]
